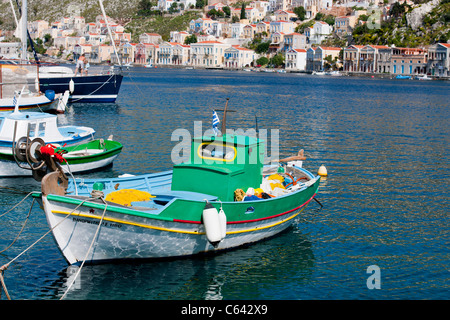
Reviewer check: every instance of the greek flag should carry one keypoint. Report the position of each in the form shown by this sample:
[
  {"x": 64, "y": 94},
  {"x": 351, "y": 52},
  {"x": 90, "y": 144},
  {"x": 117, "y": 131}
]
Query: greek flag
[
  {"x": 14, "y": 100},
  {"x": 215, "y": 123}
]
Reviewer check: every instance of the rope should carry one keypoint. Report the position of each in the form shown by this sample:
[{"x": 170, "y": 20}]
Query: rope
[
  {"x": 5, "y": 266},
  {"x": 23, "y": 227},
  {"x": 98, "y": 195},
  {"x": 95, "y": 89},
  {"x": 17, "y": 204}
]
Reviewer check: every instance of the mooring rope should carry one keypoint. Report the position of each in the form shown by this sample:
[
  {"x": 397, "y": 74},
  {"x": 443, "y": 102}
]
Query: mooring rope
[
  {"x": 5, "y": 266},
  {"x": 23, "y": 227},
  {"x": 98, "y": 195},
  {"x": 95, "y": 89}
]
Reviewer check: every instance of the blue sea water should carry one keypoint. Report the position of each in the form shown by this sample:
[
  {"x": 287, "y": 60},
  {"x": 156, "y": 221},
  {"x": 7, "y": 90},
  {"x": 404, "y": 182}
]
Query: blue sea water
[{"x": 385, "y": 144}]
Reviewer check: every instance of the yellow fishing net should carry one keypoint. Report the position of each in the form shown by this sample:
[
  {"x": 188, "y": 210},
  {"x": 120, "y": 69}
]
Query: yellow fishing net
[{"x": 126, "y": 196}]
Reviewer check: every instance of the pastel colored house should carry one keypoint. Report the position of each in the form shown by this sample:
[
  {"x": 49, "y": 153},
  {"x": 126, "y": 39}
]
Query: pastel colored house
[
  {"x": 208, "y": 54},
  {"x": 295, "y": 60},
  {"x": 237, "y": 57},
  {"x": 438, "y": 63}
]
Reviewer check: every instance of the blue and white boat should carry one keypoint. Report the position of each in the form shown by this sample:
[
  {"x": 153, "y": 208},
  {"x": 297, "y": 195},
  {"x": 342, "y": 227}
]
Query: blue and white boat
[
  {"x": 402, "y": 77},
  {"x": 89, "y": 88},
  {"x": 19, "y": 129}
]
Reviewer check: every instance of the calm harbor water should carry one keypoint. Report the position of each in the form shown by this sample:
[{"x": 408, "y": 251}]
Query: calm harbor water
[{"x": 384, "y": 142}]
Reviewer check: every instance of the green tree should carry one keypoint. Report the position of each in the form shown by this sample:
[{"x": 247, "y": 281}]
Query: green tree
[
  {"x": 278, "y": 60},
  {"x": 227, "y": 11},
  {"x": 300, "y": 12},
  {"x": 144, "y": 8},
  {"x": 190, "y": 39},
  {"x": 199, "y": 4},
  {"x": 243, "y": 11},
  {"x": 262, "y": 47},
  {"x": 262, "y": 61}
]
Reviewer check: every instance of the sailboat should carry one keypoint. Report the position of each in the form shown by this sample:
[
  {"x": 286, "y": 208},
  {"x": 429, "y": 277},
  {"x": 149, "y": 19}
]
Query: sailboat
[{"x": 92, "y": 88}]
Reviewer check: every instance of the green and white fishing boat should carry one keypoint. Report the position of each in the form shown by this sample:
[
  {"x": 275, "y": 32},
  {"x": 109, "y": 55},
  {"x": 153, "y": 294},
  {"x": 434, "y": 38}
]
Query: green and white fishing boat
[
  {"x": 222, "y": 198},
  {"x": 25, "y": 160}
]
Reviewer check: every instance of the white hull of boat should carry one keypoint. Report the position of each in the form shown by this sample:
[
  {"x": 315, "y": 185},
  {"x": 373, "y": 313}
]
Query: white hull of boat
[
  {"x": 135, "y": 237},
  {"x": 11, "y": 169}
]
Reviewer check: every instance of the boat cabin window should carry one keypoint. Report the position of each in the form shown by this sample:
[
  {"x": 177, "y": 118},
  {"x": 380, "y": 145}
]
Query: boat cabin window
[
  {"x": 41, "y": 131},
  {"x": 32, "y": 129},
  {"x": 215, "y": 151}
]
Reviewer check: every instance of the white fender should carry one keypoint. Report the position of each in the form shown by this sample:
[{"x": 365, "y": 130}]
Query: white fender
[
  {"x": 223, "y": 223},
  {"x": 211, "y": 222},
  {"x": 71, "y": 86}
]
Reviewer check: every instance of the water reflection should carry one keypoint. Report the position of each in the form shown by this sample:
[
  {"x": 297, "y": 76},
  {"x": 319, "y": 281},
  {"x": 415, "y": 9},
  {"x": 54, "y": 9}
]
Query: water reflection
[{"x": 250, "y": 270}]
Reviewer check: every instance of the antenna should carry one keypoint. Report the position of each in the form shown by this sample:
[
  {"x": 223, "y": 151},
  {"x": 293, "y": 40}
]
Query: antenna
[{"x": 224, "y": 120}]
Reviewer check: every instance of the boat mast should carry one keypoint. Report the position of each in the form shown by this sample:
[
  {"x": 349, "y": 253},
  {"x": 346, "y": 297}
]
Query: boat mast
[
  {"x": 24, "y": 31},
  {"x": 109, "y": 31},
  {"x": 25, "y": 34}
]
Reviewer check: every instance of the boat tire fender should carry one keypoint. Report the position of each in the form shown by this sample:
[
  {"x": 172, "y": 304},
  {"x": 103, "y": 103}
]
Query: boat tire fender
[{"x": 211, "y": 222}]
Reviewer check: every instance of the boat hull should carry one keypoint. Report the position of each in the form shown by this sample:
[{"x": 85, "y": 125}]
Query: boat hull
[
  {"x": 76, "y": 163},
  {"x": 95, "y": 88},
  {"x": 178, "y": 230},
  {"x": 27, "y": 103}
]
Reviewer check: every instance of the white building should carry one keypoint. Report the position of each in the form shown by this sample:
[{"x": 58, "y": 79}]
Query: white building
[
  {"x": 237, "y": 57},
  {"x": 295, "y": 60}
]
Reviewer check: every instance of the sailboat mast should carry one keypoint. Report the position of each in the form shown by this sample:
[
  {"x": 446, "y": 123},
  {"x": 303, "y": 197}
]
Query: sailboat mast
[
  {"x": 109, "y": 31},
  {"x": 24, "y": 30}
]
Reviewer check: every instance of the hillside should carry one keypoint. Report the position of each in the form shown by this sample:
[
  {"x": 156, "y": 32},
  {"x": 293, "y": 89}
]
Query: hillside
[
  {"x": 51, "y": 10},
  {"x": 410, "y": 26},
  {"x": 424, "y": 23}
]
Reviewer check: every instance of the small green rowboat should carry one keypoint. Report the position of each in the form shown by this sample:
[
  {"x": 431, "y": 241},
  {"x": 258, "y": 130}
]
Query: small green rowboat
[
  {"x": 93, "y": 155},
  {"x": 224, "y": 197}
]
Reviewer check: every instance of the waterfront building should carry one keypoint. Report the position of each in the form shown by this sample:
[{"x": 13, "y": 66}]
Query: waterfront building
[
  {"x": 181, "y": 54},
  {"x": 237, "y": 57},
  {"x": 310, "y": 53},
  {"x": 408, "y": 61},
  {"x": 352, "y": 58},
  {"x": 438, "y": 63},
  {"x": 295, "y": 60},
  {"x": 384, "y": 60},
  {"x": 166, "y": 53},
  {"x": 368, "y": 58},
  {"x": 209, "y": 54},
  {"x": 320, "y": 55}
]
